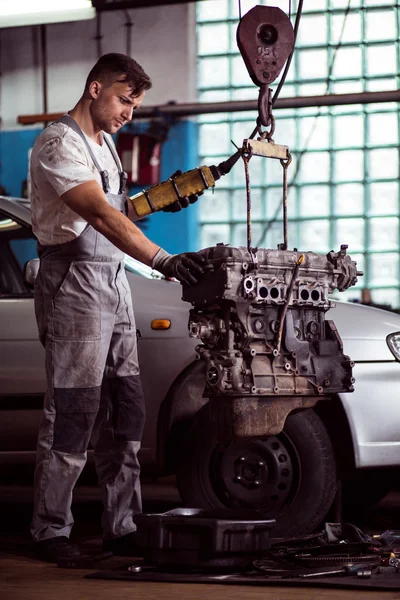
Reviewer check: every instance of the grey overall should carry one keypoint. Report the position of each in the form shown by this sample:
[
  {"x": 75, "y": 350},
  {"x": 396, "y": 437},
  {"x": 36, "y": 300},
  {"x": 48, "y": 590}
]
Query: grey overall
[{"x": 86, "y": 323}]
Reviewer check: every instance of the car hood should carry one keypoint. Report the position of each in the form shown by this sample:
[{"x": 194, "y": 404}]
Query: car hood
[
  {"x": 363, "y": 330},
  {"x": 161, "y": 299}
]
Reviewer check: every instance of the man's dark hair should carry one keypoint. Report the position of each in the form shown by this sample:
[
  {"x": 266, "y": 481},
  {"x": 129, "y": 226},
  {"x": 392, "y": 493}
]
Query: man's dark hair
[{"x": 120, "y": 67}]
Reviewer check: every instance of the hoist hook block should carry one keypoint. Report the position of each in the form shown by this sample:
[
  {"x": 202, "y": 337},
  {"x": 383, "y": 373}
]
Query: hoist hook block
[{"x": 265, "y": 39}]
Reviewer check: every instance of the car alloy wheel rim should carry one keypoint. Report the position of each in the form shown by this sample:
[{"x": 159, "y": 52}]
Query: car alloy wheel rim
[{"x": 258, "y": 474}]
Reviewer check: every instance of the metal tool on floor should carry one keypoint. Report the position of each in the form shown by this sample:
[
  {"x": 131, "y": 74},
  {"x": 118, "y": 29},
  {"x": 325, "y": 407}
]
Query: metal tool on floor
[{"x": 360, "y": 569}]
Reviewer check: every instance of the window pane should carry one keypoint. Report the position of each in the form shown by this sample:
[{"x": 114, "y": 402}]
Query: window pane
[
  {"x": 241, "y": 130},
  {"x": 313, "y": 63},
  {"x": 214, "y": 139},
  {"x": 347, "y": 87},
  {"x": 256, "y": 171},
  {"x": 344, "y": 3},
  {"x": 378, "y": 2},
  {"x": 349, "y": 199},
  {"x": 245, "y": 115},
  {"x": 214, "y": 234},
  {"x": 213, "y": 72},
  {"x": 212, "y": 10},
  {"x": 383, "y": 164},
  {"x": 314, "y": 236},
  {"x": 288, "y": 91},
  {"x": 381, "y": 25},
  {"x": 239, "y": 234},
  {"x": 285, "y": 132},
  {"x": 347, "y": 108},
  {"x": 240, "y": 75},
  {"x": 349, "y": 165},
  {"x": 383, "y": 233},
  {"x": 274, "y": 203},
  {"x": 214, "y": 206},
  {"x": 377, "y": 85},
  {"x": 275, "y": 171},
  {"x": 213, "y": 39},
  {"x": 314, "y": 201},
  {"x": 352, "y": 28},
  {"x": 311, "y": 89},
  {"x": 350, "y": 232},
  {"x": 314, "y": 132},
  {"x": 239, "y": 205},
  {"x": 246, "y": 5},
  {"x": 275, "y": 236},
  {"x": 349, "y": 130},
  {"x": 383, "y": 129},
  {"x": 381, "y": 59},
  {"x": 314, "y": 5},
  {"x": 246, "y": 93},
  {"x": 384, "y": 269},
  {"x": 384, "y": 198},
  {"x": 313, "y": 30},
  {"x": 348, "y": 63},
  {"x": 214, "y": 96},
  {"x": 314, "y": 167}
]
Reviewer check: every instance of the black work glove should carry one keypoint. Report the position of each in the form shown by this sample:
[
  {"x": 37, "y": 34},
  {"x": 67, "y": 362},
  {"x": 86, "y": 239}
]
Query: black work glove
[
  {"x": 186, "y": 267},
  {"x": 183, "y": 202}
]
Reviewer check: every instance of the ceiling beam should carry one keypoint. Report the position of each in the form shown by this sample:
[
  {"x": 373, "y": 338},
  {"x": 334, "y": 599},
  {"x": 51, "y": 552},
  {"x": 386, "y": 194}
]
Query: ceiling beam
[
  {"x": 202, "y": 108},
  {"x": 107, "y": 5}
]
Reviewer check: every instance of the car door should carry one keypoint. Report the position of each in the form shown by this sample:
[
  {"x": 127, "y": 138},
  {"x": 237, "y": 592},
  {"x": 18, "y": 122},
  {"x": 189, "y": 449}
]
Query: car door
[{"x": 22, "y": 378}]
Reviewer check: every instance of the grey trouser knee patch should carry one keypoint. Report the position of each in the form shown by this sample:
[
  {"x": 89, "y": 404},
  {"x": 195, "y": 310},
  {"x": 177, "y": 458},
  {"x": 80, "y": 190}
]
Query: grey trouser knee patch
[
  {"x": 125, "y": 395},
  {"x": 76, "y": 410}
]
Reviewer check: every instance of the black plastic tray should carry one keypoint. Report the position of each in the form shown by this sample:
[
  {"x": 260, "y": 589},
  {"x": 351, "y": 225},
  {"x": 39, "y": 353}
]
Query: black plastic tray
[{"x": 198, "y": 538}]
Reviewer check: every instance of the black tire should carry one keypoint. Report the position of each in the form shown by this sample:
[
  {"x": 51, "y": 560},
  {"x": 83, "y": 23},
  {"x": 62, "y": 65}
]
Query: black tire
[{"x": 295, "y": 471}]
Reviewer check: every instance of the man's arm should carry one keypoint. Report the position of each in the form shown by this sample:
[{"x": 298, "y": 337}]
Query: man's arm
[{"x": 89, "y": 202}]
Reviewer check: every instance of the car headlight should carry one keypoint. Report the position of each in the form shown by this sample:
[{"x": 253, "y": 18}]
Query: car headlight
[{"x": 393, "y": 342}]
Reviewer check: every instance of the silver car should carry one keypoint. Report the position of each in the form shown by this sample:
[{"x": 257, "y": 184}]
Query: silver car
[{"x": 293, "y": 476}]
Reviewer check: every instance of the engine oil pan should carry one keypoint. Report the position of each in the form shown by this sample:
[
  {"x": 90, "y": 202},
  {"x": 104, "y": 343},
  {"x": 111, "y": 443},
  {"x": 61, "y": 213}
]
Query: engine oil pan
[{"x": 194, "y": 538}]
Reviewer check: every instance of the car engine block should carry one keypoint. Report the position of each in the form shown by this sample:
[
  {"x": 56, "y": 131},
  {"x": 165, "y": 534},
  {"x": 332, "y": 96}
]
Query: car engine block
[{"x": 268, "y": 348}]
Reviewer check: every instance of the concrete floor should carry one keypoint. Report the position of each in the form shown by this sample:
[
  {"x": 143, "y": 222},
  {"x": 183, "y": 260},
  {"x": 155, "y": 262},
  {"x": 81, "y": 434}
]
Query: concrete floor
[{"x": 23, "y": 577}]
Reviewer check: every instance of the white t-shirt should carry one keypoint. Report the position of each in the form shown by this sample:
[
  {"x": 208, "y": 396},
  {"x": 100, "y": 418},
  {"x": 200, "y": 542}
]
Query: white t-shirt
[{"x": 60, "y": 161}]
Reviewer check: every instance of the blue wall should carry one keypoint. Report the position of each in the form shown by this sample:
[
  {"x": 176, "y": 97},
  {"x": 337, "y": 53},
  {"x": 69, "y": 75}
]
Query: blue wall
[
  {"x": 14, "y": 146},
  {"x": 176, "y": 232}
]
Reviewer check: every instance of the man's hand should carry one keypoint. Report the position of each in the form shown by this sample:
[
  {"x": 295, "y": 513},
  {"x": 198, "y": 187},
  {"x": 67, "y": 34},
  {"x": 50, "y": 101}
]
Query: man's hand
[
  {"x": 186, "y": 267},
  {"x": 183, "y": 202}
]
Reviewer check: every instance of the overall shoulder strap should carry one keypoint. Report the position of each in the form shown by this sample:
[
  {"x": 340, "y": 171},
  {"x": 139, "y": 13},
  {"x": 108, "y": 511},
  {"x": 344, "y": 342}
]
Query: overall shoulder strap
[
  {"x": 113, "y": 152},
  {"x": 70, "y": 122}
]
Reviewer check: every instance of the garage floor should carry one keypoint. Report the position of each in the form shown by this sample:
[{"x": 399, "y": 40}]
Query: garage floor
[{"x": 23, "y": 577}]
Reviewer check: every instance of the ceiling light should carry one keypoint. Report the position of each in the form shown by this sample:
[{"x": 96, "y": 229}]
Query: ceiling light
[{"x": 16, "y": 13}]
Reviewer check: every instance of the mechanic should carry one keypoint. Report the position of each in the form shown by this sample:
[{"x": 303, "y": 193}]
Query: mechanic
[{"x": 84, "y": 310}]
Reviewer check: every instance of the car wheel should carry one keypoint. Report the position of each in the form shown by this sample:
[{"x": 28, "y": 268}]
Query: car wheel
[{"x": 290, "y": 477}]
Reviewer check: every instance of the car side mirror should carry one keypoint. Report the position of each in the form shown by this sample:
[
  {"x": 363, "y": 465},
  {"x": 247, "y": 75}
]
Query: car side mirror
[{"x": 30, "y": 271}]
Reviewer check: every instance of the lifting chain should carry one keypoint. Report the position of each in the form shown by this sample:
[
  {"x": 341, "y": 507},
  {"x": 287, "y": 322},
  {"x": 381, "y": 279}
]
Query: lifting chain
[
  {"x": 285, "y": 164},
  {"x": 246, "y": 156},
  {"x": 265, "y": 119}
]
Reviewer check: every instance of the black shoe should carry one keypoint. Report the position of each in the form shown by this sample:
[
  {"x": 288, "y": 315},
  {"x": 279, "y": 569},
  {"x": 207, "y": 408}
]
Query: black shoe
[
  {"x": 123, "y": 546},
  {"x": 57, "y": 548}
]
